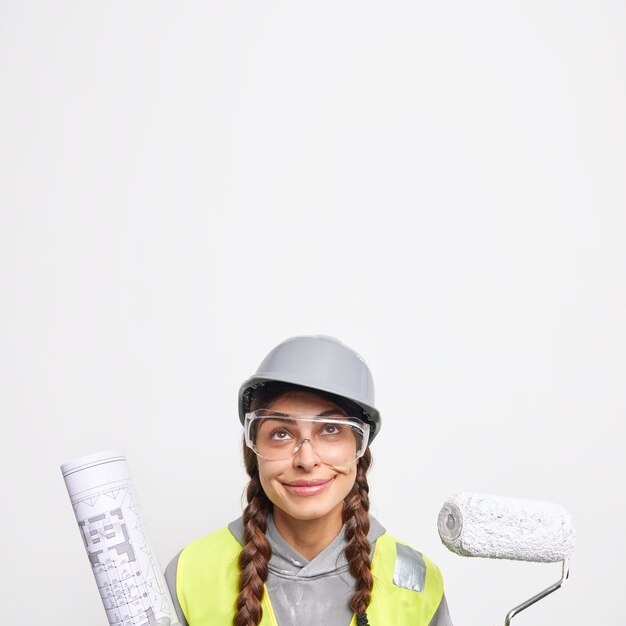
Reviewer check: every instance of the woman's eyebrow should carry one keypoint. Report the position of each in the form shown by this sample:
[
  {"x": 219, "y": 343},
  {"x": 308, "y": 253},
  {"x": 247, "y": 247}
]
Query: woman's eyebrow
[
  {"x": 331, "y": 412},
  {"x": 280, "y": 417},
  {"x": 324, "y": 414}
]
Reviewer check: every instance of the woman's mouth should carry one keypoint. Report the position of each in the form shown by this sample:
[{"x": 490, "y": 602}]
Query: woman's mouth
[{"x": 307, "y": 487}]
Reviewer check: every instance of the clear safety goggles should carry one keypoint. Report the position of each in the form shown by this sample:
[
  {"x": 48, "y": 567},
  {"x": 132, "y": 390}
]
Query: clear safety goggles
[{"x": 278, "y": 436}]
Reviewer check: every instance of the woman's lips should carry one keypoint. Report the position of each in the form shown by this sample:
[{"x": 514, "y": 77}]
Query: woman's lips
[{"x": 307, "y": 487}]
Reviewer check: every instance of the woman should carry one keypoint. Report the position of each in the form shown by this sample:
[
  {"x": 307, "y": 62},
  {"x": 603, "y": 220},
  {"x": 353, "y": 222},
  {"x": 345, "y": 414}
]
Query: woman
[{"x": 306, "y": 551}]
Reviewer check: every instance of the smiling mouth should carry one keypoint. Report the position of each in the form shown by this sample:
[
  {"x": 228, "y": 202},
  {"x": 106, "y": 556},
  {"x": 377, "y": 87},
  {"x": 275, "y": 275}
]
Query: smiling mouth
[{"x": 307, "y": 487}]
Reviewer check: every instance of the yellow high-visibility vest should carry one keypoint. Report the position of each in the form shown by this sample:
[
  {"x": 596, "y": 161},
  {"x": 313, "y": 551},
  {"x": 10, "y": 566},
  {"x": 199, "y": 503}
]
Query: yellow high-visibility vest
[{"x": 208, "y": 574}]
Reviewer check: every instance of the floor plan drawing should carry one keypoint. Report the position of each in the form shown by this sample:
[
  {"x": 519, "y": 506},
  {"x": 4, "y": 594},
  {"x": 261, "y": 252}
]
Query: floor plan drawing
[{"x": 111, "y": 525}]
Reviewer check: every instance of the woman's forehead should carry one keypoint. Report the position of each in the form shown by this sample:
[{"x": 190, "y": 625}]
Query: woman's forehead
[{"x": 304, "y": 403}]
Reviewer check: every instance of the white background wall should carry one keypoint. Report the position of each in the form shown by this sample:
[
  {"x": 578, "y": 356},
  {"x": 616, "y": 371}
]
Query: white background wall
[{"x": 441, "y": 185}]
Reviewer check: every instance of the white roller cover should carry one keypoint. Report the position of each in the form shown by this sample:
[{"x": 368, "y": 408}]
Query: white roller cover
[{"x": 496, "y": 527}]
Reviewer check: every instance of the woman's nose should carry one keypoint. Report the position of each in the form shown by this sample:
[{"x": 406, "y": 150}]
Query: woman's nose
[{"x": 305, "y": 455}]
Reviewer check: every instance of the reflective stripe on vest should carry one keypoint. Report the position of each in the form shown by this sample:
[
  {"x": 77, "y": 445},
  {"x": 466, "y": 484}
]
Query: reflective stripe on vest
[{"x": 208, "y": 574}]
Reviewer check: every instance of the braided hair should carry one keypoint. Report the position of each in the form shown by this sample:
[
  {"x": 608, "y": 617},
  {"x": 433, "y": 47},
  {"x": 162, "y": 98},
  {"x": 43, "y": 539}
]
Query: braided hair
[
  {"x": 257, "y": 551},
  {"x": 354, "y": 515}
]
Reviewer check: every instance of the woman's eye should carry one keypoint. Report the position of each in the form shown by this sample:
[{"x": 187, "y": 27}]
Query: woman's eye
[
  {"x": 331, "y": 429},
  {"x": 280, "y": 435}
]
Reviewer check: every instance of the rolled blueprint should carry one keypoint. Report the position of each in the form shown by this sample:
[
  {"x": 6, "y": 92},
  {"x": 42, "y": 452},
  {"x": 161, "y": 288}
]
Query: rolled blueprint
[
  {"x": 129, "y": 578},
  {"x": 496, "y": 527}
]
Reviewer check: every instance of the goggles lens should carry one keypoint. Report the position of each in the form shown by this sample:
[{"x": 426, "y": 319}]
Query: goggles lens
[{"x": 277, "y": 437}]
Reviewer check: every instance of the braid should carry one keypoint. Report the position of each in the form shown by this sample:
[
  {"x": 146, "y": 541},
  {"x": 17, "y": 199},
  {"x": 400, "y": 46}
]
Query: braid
[
  {"x": 355, "y": 517},
  {"x": 257, "y": 550}
]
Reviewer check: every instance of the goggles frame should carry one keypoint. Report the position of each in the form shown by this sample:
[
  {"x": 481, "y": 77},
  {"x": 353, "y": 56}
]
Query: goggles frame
[{"x": 262, "y": 414}]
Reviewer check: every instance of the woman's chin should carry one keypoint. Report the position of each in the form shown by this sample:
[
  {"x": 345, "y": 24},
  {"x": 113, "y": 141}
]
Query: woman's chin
[{"x": 309, "y": 510}]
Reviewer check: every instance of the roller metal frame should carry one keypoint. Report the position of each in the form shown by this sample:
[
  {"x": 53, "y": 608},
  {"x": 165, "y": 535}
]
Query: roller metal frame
[{"x": 557, "y": 585}]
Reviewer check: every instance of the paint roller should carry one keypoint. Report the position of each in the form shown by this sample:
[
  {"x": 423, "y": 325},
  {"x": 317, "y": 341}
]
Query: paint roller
[{"x": 496, "y": 527}]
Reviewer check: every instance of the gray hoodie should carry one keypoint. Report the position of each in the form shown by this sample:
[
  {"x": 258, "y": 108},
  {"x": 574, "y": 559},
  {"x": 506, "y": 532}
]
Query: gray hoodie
[{"x": 303, "y": 592}]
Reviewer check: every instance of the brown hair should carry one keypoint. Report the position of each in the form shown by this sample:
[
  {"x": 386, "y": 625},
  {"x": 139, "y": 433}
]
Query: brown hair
[
  {"x": 257, "y": 551},
  {"x": 355, "y": 508}
]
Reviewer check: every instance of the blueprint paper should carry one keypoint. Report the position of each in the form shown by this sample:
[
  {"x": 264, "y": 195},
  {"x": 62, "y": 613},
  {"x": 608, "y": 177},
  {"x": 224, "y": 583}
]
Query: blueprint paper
[{"x": 129, "y": 578}]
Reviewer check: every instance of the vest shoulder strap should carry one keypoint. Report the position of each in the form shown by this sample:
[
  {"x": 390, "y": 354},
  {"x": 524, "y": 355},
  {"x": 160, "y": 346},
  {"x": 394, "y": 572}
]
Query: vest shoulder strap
[
  {"x": 208, "y": 569},
  {"x": 408, "y": 587},
  {"x": 207, "y": 579}
]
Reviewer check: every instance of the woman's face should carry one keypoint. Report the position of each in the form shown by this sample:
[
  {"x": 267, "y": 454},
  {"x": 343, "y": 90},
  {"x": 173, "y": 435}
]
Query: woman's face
[{"x": 302, "y": 486}]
